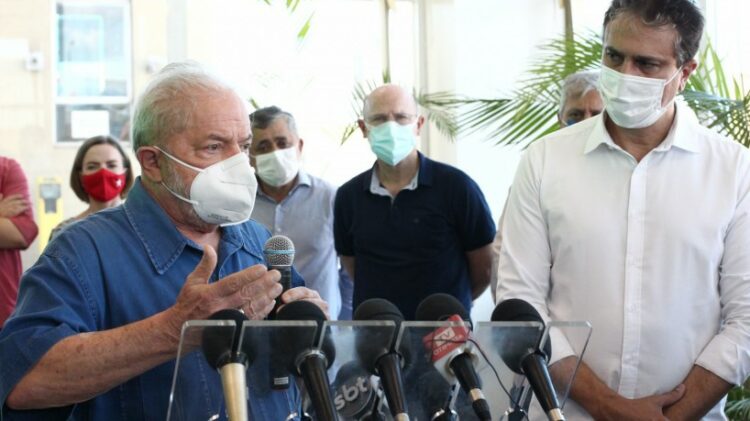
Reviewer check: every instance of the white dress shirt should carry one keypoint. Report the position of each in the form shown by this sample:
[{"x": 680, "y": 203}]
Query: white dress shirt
[
  {"x": 306, "y": 217},
  {"x": 655, "y": 254}
]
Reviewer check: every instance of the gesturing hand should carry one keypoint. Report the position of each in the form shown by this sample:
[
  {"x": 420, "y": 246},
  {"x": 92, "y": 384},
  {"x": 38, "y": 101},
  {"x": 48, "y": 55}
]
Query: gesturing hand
[
  {"x": 12, "y": 205},
  {"x": 253, "y": 290}
]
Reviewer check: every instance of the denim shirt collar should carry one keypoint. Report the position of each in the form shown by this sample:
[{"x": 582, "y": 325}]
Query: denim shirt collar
[{"x": 161, "y": 239}]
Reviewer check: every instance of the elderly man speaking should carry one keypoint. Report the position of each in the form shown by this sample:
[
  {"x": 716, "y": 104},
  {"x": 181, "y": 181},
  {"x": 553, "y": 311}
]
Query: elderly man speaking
[{"x": 98, "y": 320}]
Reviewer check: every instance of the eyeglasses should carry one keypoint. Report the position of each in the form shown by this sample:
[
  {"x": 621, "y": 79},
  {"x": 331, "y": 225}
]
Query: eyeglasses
[{"x": 401, "y": 118}]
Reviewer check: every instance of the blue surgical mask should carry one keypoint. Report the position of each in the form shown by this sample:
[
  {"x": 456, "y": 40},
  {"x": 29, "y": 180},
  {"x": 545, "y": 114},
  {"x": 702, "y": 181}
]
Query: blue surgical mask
[{"x": 392, "y": 142}]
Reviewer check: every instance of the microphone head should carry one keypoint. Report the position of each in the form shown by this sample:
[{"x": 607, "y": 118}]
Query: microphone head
[
  {"x": 373, "y": 344},
  {"x": 514, "y": 347},
  {"x": 220, "y": 343},
  {"x": 439, "y": 307},
  {"x": 291, "y": 342},
  {"x": 354, "y": 396},
  {"x": 279, "y": 251}
]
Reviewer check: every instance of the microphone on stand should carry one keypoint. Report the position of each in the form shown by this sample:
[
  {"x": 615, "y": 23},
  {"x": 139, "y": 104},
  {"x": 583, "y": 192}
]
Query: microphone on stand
[
  {"x": 224, "y": 353},
  {"x": 522, "y": 354},
  {"x": 450, "y": 355},
  {"x": 302, "y": 358},
  {"x": 379, "y": 356},
  {"x": 279, "y": 253}
]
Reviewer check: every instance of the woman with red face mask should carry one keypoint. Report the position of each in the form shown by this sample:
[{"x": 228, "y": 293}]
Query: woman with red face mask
[{"x": 101, "y": 176}]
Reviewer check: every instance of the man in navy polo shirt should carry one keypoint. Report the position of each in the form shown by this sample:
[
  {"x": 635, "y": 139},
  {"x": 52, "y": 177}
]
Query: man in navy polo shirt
[{"x": 409, "y": 226}]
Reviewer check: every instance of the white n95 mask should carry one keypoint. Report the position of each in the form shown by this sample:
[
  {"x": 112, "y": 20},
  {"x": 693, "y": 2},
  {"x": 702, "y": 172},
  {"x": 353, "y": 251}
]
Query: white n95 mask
[
  {"x": 222, "y": 193},
  {"x": 633, "y": 102},
  {"x": 278, "y": 167}
]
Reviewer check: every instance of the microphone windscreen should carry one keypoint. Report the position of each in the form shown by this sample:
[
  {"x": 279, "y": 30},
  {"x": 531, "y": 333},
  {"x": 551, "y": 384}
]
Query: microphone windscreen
[
  {"x": 354, "y": 396},
  {"x": 518, "y": 344},
  {"x": 279, "y": 251},
  {"x": 439, "y": 307},
  {"x": 371, "y": 344},
  {"x": 292, "y": 341},
  {"x": 219, "y": 343}
]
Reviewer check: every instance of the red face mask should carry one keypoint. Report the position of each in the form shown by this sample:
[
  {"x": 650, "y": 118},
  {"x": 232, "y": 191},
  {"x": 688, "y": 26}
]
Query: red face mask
[{"x": 103, "y": 185}]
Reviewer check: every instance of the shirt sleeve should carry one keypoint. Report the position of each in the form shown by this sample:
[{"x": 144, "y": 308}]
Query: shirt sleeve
[
  {"x": 14, "y": 182},
  {"x": 525, "y": 257},
  {"x": 475, "y": 225},
  {"x": 727, "y": 355},
  {"x": 342, "y": 224},
  {"x": 54, "y": 303}
]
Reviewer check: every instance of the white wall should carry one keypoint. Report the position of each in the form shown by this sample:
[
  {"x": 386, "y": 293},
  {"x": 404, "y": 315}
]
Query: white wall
[{"x": 495, "y": 42}]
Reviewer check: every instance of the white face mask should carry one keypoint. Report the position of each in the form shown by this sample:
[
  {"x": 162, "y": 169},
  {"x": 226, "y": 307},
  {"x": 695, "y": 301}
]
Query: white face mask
[
  {"x": 278, "y": 167},
  {"x": 222, "y": 193},
  {"x": 633, "y": 102}
]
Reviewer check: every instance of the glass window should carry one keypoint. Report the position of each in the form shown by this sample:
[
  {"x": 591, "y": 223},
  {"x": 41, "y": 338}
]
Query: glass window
[{"x": 93, "y": 69}]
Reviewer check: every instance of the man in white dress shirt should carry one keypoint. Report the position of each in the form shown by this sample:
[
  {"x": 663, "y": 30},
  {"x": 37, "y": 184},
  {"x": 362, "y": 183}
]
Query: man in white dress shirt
[{"x": 638, "y": 220}]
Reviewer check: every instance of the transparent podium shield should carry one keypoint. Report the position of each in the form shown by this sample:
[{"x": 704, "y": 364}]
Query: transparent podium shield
[
  {"x": 571, "y": 338},
  {"x": 504, "y": 343},
  {"x": 197, "y": 393},
  {"x": 359, "y": 345}
]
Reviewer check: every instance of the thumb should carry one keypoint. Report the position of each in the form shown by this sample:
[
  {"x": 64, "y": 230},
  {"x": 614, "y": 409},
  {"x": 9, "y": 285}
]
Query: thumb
[
  {"x": 203, "y": 270},
  {"x": 669, "y": 398}
]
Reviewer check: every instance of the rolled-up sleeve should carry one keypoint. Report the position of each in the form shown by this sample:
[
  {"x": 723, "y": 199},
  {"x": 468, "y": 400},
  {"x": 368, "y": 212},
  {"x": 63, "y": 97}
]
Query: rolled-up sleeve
[{"x": 728, "y": 354}]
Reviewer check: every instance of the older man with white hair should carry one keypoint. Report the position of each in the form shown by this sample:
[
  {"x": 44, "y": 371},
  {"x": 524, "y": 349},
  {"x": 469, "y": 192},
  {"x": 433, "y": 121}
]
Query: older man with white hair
[{"x": 99, "y": 316}]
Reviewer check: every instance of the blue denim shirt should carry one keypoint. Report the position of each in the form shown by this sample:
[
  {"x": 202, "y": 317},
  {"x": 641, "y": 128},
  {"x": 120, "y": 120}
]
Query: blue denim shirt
[{"x": 116, "y": 267}]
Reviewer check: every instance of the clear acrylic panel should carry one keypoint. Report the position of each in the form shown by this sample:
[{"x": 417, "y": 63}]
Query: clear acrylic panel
[{"x": 197, "y": 393}]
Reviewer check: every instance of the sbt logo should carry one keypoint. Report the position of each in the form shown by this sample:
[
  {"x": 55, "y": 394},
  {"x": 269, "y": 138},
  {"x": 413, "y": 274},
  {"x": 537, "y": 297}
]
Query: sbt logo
[{"x": 353, "y": 393}]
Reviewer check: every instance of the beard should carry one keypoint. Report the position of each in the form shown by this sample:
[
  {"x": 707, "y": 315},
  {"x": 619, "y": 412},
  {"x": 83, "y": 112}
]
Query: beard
[{"x": 173, "y": 181}]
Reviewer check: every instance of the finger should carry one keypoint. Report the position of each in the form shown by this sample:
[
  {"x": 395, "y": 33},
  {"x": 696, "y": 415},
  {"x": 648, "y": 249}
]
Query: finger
[
  {"x": 202, "y": 272},
  {"x": 260, "y": 315},
  {"x": 255, "y": 296},
  {"x": 666, "y": 399},
  {"x": 299, "y": 293},
  {"x": 239, "y": 280}
]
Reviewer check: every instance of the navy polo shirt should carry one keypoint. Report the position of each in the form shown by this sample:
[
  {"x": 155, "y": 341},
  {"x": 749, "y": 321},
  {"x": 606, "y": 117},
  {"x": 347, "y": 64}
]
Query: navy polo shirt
[{"x": 416, "y": 245}]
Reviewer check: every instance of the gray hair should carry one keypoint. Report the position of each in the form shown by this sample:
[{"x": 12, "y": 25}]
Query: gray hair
[
  {"x": 577, "y": 85},
  {"x": 166, "y": 106},
  {"x": 263, "y": 117}
]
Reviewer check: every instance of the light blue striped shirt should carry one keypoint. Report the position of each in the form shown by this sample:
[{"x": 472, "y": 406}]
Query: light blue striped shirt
[{"x": 306, "y": 217}]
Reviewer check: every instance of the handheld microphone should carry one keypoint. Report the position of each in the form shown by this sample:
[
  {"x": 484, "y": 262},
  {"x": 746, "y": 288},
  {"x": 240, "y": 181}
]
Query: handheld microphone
[
  {"x": 522, "y": 354},
  {"x": 450, "y": 355},
  {"x": 224, "y": 353},
  {"x": 378, "y": 355},
  {"x": 300, "y": 356},
  {"x": 279, "y": 253}
]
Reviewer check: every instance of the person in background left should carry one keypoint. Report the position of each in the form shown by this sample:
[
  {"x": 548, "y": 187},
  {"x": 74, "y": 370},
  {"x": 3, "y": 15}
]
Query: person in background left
[
  {"x": 291, "y": 202},
  {"x": 101, "y": 176},
  {"x": 17, "y": 231},
  {"x": 579, "y": 100}
]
